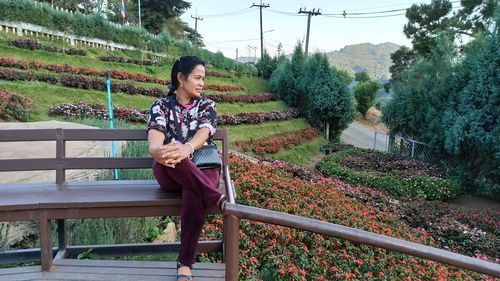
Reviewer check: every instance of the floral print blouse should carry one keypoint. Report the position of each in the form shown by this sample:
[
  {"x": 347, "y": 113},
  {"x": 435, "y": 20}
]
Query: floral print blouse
[{"x": 198, "y": 113}]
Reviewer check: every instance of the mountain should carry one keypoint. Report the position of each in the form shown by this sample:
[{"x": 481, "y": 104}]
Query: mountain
[{"x": 375, "y": 59}]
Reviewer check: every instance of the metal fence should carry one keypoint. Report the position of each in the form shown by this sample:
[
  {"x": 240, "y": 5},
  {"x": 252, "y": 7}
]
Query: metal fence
[{"x": 410, "y": 148}]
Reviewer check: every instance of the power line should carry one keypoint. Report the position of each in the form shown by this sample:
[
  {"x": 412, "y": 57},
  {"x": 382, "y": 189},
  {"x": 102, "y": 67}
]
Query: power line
[{"x": 227, "y": 14}]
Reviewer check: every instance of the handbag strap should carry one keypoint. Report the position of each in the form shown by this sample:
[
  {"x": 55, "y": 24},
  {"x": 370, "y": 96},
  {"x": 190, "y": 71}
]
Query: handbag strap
[{"x": 177, "y": 125}]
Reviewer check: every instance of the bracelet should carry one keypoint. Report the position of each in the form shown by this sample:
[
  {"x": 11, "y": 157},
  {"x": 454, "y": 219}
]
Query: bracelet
[{"x": 192, "y": 149}]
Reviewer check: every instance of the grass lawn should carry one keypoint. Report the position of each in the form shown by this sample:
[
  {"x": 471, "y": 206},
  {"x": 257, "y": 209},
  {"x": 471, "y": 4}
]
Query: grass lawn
[
  {"x": 248, "y": 132},
  {"x": 306, "y": 155}
]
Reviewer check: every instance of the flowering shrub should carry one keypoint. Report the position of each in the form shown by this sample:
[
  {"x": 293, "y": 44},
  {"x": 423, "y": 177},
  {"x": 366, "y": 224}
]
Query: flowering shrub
[
  {"x": 222, "y": 88},
  {"x": 68, "y": 69},
  {"x": 470, "y": 232},
  {"x": 26, "y": 44},
  {"x": 35, "y": 45},
  {"x": 274, "y": 144},
  {"x": 400, "y": 177},
  {"x": 111, "y": 58},
  {"x": 74, "y": 51},
  {"x": 116, "y": 74},
  {"x": 215, "y": 73},
  {"x": 83, "y": 110},
  {"x": 269, "y": 252},
  {"x": 14, "y": 107},
  {"x": 257, "y": 117},
  {"x": 243, "y": 98}
]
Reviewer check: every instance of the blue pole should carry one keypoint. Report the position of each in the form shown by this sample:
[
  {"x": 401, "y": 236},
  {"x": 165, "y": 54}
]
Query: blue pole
[{"x": 110, "y": 111}]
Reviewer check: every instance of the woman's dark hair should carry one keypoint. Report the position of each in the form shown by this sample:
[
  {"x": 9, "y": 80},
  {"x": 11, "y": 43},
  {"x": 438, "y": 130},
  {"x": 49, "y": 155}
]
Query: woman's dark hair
[{"x": 184, "y": 65}]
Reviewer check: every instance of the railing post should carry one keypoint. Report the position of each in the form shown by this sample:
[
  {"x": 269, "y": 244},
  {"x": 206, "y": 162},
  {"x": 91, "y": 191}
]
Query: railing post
[
  {"x": 375, "y": 141},
  {"x": 412, "y": 149},
  {"x": 231, "y": 246}
]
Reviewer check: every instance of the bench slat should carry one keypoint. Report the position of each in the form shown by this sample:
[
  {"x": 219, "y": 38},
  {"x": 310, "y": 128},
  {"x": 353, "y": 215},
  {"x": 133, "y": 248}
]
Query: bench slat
[
  {"x": 39, "y": 164},
  {"x": 87, "y": 194},
  {"x": 107, "y": 163},
  {"x": 28, "y": 135}
]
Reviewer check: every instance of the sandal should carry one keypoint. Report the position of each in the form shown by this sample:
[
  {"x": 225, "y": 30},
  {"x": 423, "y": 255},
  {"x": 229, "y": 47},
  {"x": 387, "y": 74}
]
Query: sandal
[
  {"x": 222, "y": 203},
  {"x": 184, "y": 277}
]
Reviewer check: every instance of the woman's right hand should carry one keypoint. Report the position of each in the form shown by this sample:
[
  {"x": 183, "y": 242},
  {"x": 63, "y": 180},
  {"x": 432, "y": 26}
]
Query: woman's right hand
[{"x": 163, "y": 154}]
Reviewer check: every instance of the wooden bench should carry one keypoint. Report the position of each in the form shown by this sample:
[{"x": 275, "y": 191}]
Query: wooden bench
[{"x": 62, "y": 199}]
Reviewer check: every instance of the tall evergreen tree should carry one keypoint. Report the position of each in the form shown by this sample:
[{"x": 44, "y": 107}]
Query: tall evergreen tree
[
  {"x": 421, "y": 96},
  {"x": 472, "y": 122},
  {"x": 327, "y": 101}
]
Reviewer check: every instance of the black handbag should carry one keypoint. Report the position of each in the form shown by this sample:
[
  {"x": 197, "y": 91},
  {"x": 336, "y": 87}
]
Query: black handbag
[{"x": 206, "y": 157}]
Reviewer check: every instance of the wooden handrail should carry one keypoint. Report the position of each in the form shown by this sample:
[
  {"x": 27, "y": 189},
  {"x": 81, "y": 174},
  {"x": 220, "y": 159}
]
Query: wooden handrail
[{"x": 363, "y": 237}]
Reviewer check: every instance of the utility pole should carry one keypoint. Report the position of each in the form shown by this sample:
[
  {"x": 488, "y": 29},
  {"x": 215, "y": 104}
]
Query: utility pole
[
  {"x": 139, "y": 5},
  {"x": 261, "y": 33},
  {"x": 196, "y": 26},
  {"x": 309, "y": 15}
]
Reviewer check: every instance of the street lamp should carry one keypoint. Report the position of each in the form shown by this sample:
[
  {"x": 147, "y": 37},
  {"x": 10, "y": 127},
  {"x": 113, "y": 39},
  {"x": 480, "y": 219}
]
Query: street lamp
[{"x": 267, "y": 31}]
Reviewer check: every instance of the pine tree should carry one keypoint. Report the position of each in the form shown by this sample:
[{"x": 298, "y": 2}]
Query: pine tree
[{"x": 326, "y": 101}]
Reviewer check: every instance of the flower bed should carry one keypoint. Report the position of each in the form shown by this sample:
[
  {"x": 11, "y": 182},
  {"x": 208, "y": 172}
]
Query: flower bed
[
  {"x": 265, "y": 97},
  {"x": 35, "y": 45},
  {"x": 215, "y": 73},
  {"x": 269, "y": 252},
  {"x": 257, "y": 117},
  {"x": 83, "y": 110},
  {"x": 14, "y": 107},
  {"x": 114, "y": 74},
  {"x": 276, "y": 143},
  {"x": 400, "y": 177},
  {"x": 111, "y": 58}
]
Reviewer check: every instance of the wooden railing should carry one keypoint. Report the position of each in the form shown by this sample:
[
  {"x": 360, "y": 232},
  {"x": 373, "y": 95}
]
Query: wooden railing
[{"x": 237, "y": 212}]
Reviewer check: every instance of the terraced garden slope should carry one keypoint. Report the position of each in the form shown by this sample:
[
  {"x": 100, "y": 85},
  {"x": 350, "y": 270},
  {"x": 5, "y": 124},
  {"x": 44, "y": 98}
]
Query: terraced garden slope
[{"x": 50, "y": 79}]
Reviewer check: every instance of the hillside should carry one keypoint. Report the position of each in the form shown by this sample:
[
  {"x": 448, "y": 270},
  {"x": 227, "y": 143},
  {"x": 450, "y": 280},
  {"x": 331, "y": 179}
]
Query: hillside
[
  {"x": 375, "y": 59},
  {"x": 74, "y": 85}
]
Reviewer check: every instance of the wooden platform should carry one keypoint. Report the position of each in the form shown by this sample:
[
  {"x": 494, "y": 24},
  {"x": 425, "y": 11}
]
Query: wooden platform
[{"x": 105, "y": 270}]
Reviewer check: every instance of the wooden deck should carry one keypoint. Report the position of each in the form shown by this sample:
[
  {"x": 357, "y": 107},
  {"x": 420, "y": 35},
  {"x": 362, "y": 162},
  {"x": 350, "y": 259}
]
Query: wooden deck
[{"x": 106, "y": 270}]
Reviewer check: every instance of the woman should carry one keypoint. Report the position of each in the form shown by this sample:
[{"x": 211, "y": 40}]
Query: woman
[{"x": 172, "y": 140}]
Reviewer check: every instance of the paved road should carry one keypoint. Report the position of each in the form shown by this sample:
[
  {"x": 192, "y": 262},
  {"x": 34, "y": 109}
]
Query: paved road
[{"x": 358, "y": 135}]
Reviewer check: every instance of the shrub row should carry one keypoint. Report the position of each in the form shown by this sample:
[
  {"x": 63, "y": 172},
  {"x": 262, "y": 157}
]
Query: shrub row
[
  {"x": 215, "y": 73},
  {"x": 112, "y": 58},
  {"x": 398, "y": 183},
  {"x": 276, "y": 143},
  {"x": 35, "y": 45},
  {"x": 117, "y": 74},
  {"x": 66, "y": 68},
  {"x": 82, "y": 82},
  {"x": 14, "y": 107},
  {"x": 257, "y": 117},
  {"x": 84, "y": 110},
  {"x": 270, "y": 252},
  {"x": 243, "y": 98}
]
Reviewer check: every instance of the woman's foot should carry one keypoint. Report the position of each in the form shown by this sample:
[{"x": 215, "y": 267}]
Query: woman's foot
[
  {"x": 184, "y": 272},
  {"x": 222, "y": 203}
]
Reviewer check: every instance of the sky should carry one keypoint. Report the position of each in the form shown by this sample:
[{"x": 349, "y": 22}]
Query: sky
[{"x": 229, "y": 25}]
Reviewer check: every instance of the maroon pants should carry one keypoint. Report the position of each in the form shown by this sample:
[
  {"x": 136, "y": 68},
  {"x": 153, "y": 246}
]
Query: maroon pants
[{"x": 200, "y": 190}]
